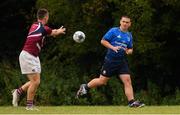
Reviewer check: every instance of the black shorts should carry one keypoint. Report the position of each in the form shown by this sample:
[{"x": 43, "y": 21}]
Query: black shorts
[{"x": 110, "y": 68}]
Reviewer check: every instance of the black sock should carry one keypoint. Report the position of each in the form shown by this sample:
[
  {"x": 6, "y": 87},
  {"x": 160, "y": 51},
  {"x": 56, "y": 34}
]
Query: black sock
[
  {"x": 86, "y": 87},
  {"x": 131, "y": 101}
]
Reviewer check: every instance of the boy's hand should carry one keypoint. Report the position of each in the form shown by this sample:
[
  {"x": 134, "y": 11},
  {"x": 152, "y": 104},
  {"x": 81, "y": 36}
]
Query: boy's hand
[{"x": 61, "y": 30}]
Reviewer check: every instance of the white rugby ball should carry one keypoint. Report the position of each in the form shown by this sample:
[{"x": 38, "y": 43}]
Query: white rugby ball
[{"x": 79, "y": 36}]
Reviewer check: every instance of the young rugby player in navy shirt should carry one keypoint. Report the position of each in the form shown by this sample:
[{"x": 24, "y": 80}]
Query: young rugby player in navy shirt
[{"x": 119, "y": 43}]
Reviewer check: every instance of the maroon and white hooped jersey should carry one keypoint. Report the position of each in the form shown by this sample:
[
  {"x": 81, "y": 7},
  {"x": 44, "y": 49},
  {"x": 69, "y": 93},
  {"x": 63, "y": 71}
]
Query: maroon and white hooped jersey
[{"x": 35, "y": 39}]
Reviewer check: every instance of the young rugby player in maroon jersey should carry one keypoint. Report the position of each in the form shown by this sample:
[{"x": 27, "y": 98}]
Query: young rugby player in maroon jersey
[{"x": 29, "y": 57}]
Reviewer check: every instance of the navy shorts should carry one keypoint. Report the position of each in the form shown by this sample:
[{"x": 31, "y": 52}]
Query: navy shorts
[{"x": 111, "y": 68}]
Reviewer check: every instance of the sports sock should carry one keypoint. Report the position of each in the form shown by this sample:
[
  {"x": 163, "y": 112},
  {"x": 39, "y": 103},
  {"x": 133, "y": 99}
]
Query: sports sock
[
  {"x": 131, "y": 101},
  {"x": 29, "y": 103},
  {"x": 20, "y": 91},
  {"x": 86, "y": 87}
]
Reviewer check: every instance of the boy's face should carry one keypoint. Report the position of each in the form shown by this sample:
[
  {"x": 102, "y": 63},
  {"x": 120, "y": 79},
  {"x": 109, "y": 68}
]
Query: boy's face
[{"x": 125, "y": 23}]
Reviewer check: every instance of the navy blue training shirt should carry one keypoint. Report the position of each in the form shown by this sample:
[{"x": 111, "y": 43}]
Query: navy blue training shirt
[{"x": 116, "y": 37}]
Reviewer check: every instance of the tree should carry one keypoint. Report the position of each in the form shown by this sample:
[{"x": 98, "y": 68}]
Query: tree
[{"x": 14, "y": 21}]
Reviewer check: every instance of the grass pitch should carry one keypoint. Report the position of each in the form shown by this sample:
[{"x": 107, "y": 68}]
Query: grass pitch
[{"x": 92, "y": 110}]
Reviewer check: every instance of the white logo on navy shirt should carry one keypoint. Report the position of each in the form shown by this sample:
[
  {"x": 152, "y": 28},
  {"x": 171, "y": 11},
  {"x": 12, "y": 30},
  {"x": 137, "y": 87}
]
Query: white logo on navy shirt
[{"x": 119, "y": 36}]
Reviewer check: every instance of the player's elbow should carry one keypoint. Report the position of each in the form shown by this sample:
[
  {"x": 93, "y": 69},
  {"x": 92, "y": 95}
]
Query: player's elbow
[
  {"x": 103, "y": 41},
  {"x": 129, "y": 51}
]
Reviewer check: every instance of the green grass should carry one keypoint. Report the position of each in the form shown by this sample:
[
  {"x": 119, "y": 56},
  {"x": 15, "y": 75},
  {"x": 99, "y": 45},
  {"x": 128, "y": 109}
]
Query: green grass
[{"x": 92, "y": 110}]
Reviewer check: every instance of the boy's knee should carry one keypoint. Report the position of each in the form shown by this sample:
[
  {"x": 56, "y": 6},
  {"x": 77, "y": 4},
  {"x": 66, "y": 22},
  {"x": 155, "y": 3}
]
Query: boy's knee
[
  {"x": 128, "y": 82},
  {"x": 35, "y": 82},
  {"x": 102, "y": 82}
]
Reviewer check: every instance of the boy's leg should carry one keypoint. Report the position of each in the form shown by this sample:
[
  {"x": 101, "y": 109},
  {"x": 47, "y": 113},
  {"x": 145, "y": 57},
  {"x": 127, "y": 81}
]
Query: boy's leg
[
  {"x": 128, "y": 89},
  {"x": 34, "y": 80},
  {"x": 102, "y": 80},
  {"x": 126, "y": 79},
  {"x": 18, "y": 92}
]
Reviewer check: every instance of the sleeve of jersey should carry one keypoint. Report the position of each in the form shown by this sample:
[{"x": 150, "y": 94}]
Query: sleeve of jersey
[
  {"x": 108, "y": 35},
  {"x": 130, "y": 45},
  {"x": 48, "y": 30}
]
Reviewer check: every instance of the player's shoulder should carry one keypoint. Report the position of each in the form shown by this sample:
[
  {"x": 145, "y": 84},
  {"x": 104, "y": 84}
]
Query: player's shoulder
[
  {"x": 35, "y": 25},
  {"x": 129, "y": 33},
  {"x": 113, "y": 29}
]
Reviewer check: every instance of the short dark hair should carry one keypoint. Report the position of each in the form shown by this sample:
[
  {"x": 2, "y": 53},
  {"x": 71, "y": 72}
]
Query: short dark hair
[
  {"x": 125, "y": 16},
  {"x": 41, "y": 13}
]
